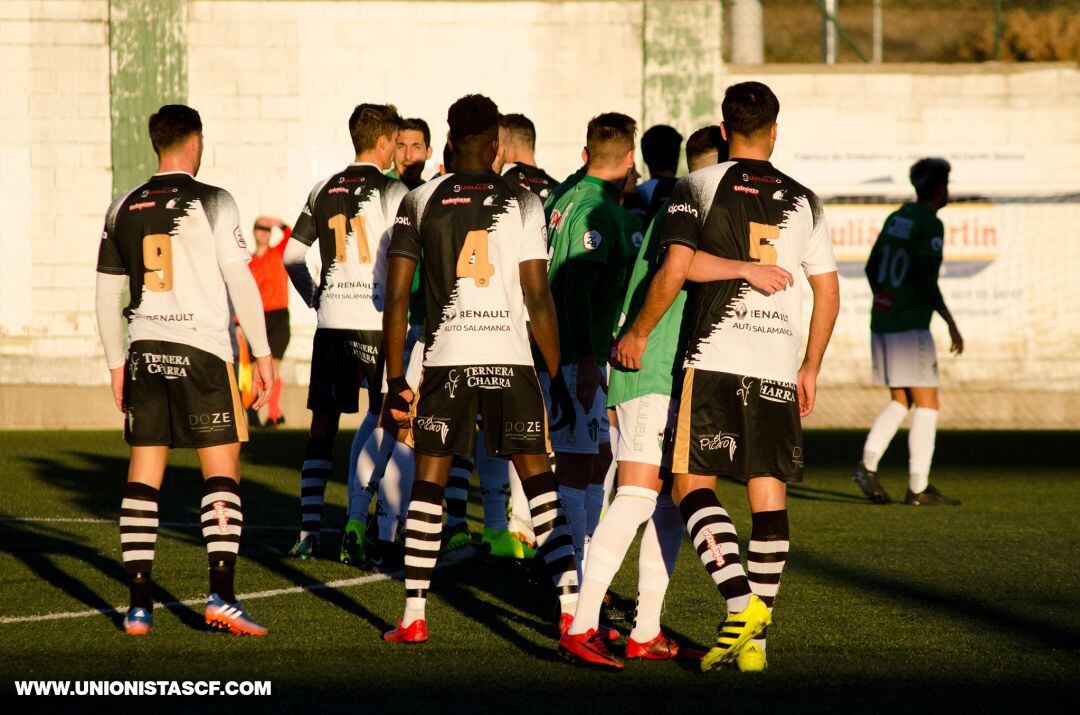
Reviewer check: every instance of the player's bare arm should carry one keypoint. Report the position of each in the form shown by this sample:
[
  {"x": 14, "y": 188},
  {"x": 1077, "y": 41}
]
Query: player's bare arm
[
  {"x": 395, "y": 327},
  {"x": 765, "y": 278},
  {"x": 826, "y": 288},
  {"x": 665, "y": 285}
]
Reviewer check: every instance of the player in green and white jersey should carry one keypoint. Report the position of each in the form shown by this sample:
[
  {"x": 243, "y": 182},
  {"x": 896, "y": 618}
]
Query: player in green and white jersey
[{"x": 903, "y": 273}]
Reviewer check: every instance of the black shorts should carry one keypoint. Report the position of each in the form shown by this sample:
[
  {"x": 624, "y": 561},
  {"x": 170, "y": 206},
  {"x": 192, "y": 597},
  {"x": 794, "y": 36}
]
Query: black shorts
[
  {"x": 343, "y": 361},
  {"x": 277, "y": 332},
  {"x": 179, "y": 396},
  {"x": 738, "y": 426},
  {"x": 506, "y": 397}
]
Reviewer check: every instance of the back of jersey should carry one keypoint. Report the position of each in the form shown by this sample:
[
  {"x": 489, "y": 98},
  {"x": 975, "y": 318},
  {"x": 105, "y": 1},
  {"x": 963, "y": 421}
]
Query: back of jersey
[
  {"x": 903, "y": 269},
  {"x": 532, "y": 178},
  {"x": 350, "y": 216},
  {"x": 747, "y": 210},
  {"x": 472, "y": 229},
  {"x": 171, "y": 236}
]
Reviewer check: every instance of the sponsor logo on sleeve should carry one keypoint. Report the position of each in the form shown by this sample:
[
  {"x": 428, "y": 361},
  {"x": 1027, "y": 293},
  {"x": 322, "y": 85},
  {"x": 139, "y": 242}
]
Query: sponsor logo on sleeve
[
  {"x": 239, "y": 236},
  {"x": 636, "y": 238},
  {"x": 899, "y": 227},
  {"x": 402, "y": 221},
  {"x": 592, "y": 240},
  {"x": 936, "y": 244},
  {"x": 683, "y": 208}
]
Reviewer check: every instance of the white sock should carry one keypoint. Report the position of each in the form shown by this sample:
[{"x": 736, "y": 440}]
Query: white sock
[
  {"x": 609, "y": 478},
  {"x": 367, "y": 471},
  {"x": 574, "y": 502},
  {"x": 520, "y": 516},
  {"x": 631, "y": 507},
  {"x": 394, "y": 490},
  {"x": 881, "y": 433},
  {"x": 659, "y": 552},
  {"x": 921, "y": 439},
  {"x": 414, "y": 610},
  {"x": 494, "y": 475}
]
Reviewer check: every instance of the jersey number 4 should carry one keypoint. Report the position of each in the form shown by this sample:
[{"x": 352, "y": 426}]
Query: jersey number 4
[
  {"x": 359, "y": 227},
  {"x": 473, "y": 260},
  {"x": 158, "y": 262}
]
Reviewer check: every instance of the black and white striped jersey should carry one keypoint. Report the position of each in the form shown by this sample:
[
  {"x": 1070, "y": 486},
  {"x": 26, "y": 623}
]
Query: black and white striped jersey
[
  {"x": 350, "y": 215},
  {"x": 747, "y": 210},
  {"x": 171, "y": 236},
  {"x": 472, "y": 229}
]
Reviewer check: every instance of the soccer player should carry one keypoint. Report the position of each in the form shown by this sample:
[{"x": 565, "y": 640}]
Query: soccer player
[
  {"x": 176, "y": 244},
  {"x": 349, "y": 216},
  {"x": 590, "y": 251},
  {"x": 903, "y": 273},
  {"x": 743, "y": 390},
  {"x": 482, "y": 242},
  {"x": 660, "y": 148},
  {"x": 643, "y": 402},
  {"x": 411, "y": 152},
  {"x": 269, "y": 270},
  {"x": 517, "y": 136}
]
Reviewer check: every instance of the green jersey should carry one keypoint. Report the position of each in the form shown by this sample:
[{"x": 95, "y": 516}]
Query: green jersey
[
  {"x": 589, "y": 253},
  {"x": 559, "y": 191},
  {"x": 660, "y": 362},
  {"x": 903, "y": 270}
]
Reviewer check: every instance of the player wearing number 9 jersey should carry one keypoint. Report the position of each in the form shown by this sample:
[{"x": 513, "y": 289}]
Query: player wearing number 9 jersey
[
  {"x": 348, "y": 217},
  {"x": 176, "y": 244},
  {"x": 482, "y": 242}
]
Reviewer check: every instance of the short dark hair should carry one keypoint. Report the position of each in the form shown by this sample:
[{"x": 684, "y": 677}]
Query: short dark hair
[
  {"x": 660, "y": 146},
  {"x": 474, "y": 115},
  {"x": 416, "y": 124},
  {"x": 609, "y": 137},
  {"x": 368, "y": 122},
  {"x": 172, "y": 124},
  {"x": 448, "y": 158},
  {"x": 928, "y": 175},
  {"x": 748, "y": 108},
  {"x": 520, "y": 127},
  {"x": 703, "y": 141}
]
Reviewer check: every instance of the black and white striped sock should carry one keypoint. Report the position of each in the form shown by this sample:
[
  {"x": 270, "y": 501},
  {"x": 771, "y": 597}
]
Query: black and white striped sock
[
  {"x": 457, "y": 491},
  {"x": 138, "y": 536},
  {"x": 222, "y": 522},
  {"x": 314, "y": 475},
  {"x": 769, "y": 541},
  {"x": 553, "y": 539},
  {"x": 423, "y": 537},
  {"x": 713, "y": 535}
]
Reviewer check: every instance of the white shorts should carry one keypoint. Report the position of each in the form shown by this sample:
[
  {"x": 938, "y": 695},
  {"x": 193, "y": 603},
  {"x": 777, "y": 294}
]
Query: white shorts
[
  {"x": 907, "y": 359},
  {"x": 414, "y": 359},
  {"x": 646, "y": 426},
  {"x": 584, "y": 438}
]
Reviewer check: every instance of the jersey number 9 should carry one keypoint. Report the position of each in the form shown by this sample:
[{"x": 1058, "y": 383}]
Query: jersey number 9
[
  {"x": 473, "y": 260},
  {"x": 157, "y": 260}
]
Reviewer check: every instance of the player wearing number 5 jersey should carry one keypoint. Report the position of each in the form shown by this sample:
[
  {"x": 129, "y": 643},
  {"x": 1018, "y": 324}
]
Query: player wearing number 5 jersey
[
  {"x": 481, "y": 239},
  {"x": 176, "y": 244},
  {"x": 744, "y": 390},
  {"x": 903, "y": 273},
  {"x": 348, "y": 216}
]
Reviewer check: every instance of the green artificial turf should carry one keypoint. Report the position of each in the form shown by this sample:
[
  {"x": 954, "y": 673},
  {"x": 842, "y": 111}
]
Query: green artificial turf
[{"x": 883, "y": 608}]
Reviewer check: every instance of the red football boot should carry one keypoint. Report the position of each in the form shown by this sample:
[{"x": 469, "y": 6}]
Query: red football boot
[
  {"x": 660, "y": 648},
  {"x": 588, "y": 649},
  {"x": 605, "y": 632},
  {"x": 416, "y": 632}
]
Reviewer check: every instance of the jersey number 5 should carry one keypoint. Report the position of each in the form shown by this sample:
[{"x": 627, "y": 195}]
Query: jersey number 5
[
  {"x": 157, "y": 260},
  {"x": 473, "y": 261},
  {"x": 359, "y": 227},
  {"x": 760, "y": 248}
]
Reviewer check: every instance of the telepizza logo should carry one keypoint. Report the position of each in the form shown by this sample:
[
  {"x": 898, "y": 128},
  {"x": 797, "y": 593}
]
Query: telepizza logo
[
  {"x": 746, "y": 189},
  {"x": 456, "y": 201},
  {"x": 338, "y": 190},
  {"x": 142, "y": 205}
]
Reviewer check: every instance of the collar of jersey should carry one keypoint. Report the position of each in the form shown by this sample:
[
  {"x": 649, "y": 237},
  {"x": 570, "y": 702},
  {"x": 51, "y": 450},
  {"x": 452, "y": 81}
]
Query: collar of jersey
[
  {"x": 172, "y": 173},
  {"x": 358, "y": 164},
  {"x": 607, "y": 187}
]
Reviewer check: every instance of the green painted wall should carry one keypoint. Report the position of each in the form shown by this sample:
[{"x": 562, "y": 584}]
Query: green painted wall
[
  {"x": 682, "y": 63},
  {"x": 147, "y": 68}
]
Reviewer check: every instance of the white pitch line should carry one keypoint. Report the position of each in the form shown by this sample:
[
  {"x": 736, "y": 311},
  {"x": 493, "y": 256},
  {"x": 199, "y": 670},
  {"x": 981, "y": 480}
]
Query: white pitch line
[
  {"x": 450, "y": 560},
  {"x": 175, "y": 524}
]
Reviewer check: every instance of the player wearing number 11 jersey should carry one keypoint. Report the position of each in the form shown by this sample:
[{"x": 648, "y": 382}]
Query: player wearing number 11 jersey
[{"x": 348, "y": 216}]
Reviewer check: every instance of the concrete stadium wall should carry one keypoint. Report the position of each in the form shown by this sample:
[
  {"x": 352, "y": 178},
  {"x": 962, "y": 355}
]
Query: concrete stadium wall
[{"x": 274, "y": 82}]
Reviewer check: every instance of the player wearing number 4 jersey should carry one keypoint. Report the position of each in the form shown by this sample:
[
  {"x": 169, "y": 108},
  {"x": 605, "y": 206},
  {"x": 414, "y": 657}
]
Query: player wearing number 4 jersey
[
  {"x": 903, "y": 272},
  {"x": 482, "y": 242},
  {"x": 176, "y": 244},
  {"x": 349, "y": 216},
  {"x": 743, "y": 391}
]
